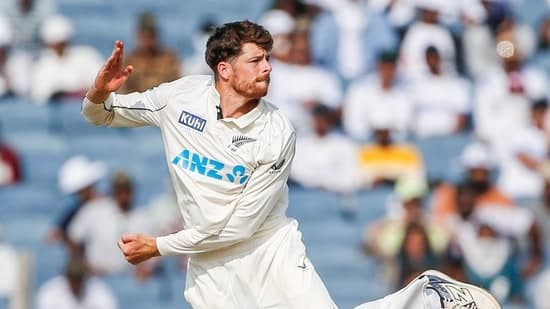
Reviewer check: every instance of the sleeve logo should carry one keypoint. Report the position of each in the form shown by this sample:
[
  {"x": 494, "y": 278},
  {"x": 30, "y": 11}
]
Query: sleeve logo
[{"x": 276, "y": 167}]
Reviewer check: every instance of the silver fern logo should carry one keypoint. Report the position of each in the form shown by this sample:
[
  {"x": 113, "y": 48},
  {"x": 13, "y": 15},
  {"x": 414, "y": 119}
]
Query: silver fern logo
[{"x": 240, "y": 140}]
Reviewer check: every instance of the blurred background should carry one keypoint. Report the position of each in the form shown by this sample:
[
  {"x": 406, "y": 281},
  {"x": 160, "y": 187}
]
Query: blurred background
[{"x": 423, "y": 143}]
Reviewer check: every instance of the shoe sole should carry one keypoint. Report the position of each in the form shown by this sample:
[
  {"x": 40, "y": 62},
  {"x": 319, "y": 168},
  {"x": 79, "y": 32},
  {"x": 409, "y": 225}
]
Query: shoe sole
[{"x": 446, "y": 279}]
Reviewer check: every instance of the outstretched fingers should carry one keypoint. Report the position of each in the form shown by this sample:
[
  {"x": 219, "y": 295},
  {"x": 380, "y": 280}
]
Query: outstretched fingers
[
  {"x": 115, "y": 59},
  {"x": 127, "y": 71}
]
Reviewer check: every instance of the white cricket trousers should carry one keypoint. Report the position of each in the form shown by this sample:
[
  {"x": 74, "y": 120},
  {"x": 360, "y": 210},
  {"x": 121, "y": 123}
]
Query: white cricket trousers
[{"x": 270, "y": 273}]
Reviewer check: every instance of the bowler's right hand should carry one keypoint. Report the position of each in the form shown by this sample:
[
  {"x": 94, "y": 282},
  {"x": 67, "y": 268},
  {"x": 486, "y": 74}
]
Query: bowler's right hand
[{"x": 111, "y": 76}]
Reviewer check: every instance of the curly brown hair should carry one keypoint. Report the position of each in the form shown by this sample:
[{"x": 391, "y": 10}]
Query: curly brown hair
[{"x": 226, "y": 42}]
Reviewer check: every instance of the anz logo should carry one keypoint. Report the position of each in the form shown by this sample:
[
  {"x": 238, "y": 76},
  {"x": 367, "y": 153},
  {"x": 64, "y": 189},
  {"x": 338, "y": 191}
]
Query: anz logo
[{"x": 203, "y": 165}]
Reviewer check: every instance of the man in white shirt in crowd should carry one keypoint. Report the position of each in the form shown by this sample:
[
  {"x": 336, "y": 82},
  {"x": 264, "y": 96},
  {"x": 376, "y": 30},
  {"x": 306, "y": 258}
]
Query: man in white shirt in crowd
[
  {"x": 427, "y": 31},
  {"x": 441, "y": 100},
  {"x": 381, "y": 91},
  {"x": 348, "y": 38},
  {"x": 99, "y": 223},
  {"x": 298, "y": 86},
  {"x": 503, "y": 97},
  {"x": 15, "y": 65},
  {"x": 522, "y": 155},
  {"x": 26, "y": 17},
  {"x": 77, "y": 179},
  {"x": 62, "y": 71},
  {"x": 229, "y": 154},
  {"x": 335, "y": 170},
  {"x": 75, "y": 289}
]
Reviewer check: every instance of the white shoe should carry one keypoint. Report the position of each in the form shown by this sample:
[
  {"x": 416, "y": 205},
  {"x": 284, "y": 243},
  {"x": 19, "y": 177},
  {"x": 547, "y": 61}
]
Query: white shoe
[{"x": 435, "y": 290}]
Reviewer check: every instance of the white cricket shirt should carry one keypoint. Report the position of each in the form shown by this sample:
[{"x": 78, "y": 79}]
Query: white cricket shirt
[{"x": 229, "y": 174}]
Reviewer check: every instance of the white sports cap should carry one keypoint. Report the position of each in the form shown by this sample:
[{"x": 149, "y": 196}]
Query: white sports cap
[
  {"x": 78, "y": 173},
  {"x": 277, "y": 22},
  {"x": 476, "y": 155},
  {"x": 56, "y": 29}
]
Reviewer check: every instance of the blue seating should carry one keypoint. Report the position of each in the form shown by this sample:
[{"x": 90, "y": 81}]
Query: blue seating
[
  {"x": 441, "y": 155},
  {"x": 20, "y": 116},
  {"x": 26, "y": 199}
]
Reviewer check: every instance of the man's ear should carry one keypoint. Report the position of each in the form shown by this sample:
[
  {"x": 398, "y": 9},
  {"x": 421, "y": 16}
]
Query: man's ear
[{"x": 224, "y": 70}]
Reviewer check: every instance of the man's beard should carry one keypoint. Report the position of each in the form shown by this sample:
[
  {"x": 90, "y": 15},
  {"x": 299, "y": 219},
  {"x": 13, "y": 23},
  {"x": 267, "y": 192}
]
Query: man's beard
[
  {"x": 479, "y": 187},
  {"x": 252, "y": 90}
]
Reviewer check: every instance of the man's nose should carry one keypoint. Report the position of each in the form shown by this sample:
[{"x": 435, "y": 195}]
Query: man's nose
[{"x": 266, "y": 66}]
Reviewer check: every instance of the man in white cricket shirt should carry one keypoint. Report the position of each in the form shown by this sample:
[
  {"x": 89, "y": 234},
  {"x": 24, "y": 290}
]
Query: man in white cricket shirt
[{"x": 229, "y": 154}]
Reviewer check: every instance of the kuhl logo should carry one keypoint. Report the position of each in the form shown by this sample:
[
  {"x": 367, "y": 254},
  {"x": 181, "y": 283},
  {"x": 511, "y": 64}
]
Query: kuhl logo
[
  {"x": 192, "y": 121},
  {"x": 208, "y": 167}
]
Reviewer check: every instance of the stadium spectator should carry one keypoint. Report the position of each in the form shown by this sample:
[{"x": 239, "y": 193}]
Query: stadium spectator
[
  {"x": 384, "y": 161},
  {"x": 117, "y": 216},
  {"x": 297, "y": 87},
  {"x": 383, "y": 238},
  {"x": 400, "y": 14},
  {"x": 502, "y": 99},
  {"x": 77, "y": 179},
  {"x": 416, "y": 254},
  {"x": 14, "y": 65},
  {"x": 478, "y": 163},
  {"x": 478, "y": 45},
  {"x": 541, "y": 58},
  {"x": 381, "y": 91},
  {"x": 522, "y": 154},
  {"x": 441, "y": 101},
  {"x": 62, "y": 70},
  {"x": 348, "y": 39},
  {"x": 280, "y": 25},
  {"x": 10, "y": 165},
  {"x": 336, "y": 169},
  {"x": 541, "y": 207},
  {"x": 75, "y": 289},
  {"x": 470, "y": 218},
  {"x": 153, "y": 64},
  {"x": 194, "y": 64},
  {"x": 522, "y": 35},
  {"x": 424, "y": 32},
  {"x": 26, "y": 17},
  {"x": 164, "y": 212},
  {"x": 489, "y": 260},
  {"x": 165, "y": 219}
]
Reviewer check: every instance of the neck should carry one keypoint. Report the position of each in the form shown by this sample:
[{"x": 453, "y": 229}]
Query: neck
[{"x": 232, "y": 104}]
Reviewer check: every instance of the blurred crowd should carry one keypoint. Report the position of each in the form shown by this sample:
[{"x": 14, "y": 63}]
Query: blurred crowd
[{"x": 362, "y": 81}]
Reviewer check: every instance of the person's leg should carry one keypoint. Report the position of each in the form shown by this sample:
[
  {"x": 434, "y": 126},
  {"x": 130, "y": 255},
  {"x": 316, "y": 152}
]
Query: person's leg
[
  {"x": 276, "y": 274},
  {"x": 293, "y": 276}
]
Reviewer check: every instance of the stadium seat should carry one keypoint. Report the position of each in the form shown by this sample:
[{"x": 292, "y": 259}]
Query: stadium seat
[
  {"x": 18, "y": 115},
  {"x": 441, "y": 155},
  {"x": 25, "y": 199}
]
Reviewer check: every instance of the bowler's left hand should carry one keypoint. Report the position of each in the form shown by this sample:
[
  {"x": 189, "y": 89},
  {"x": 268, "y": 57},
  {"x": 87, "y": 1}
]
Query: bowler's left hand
[{"x": 138, "y": 248}]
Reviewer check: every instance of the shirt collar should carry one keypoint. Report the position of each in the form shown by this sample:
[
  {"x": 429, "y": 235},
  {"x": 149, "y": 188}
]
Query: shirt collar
[{"x": 242, "y": 121}]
